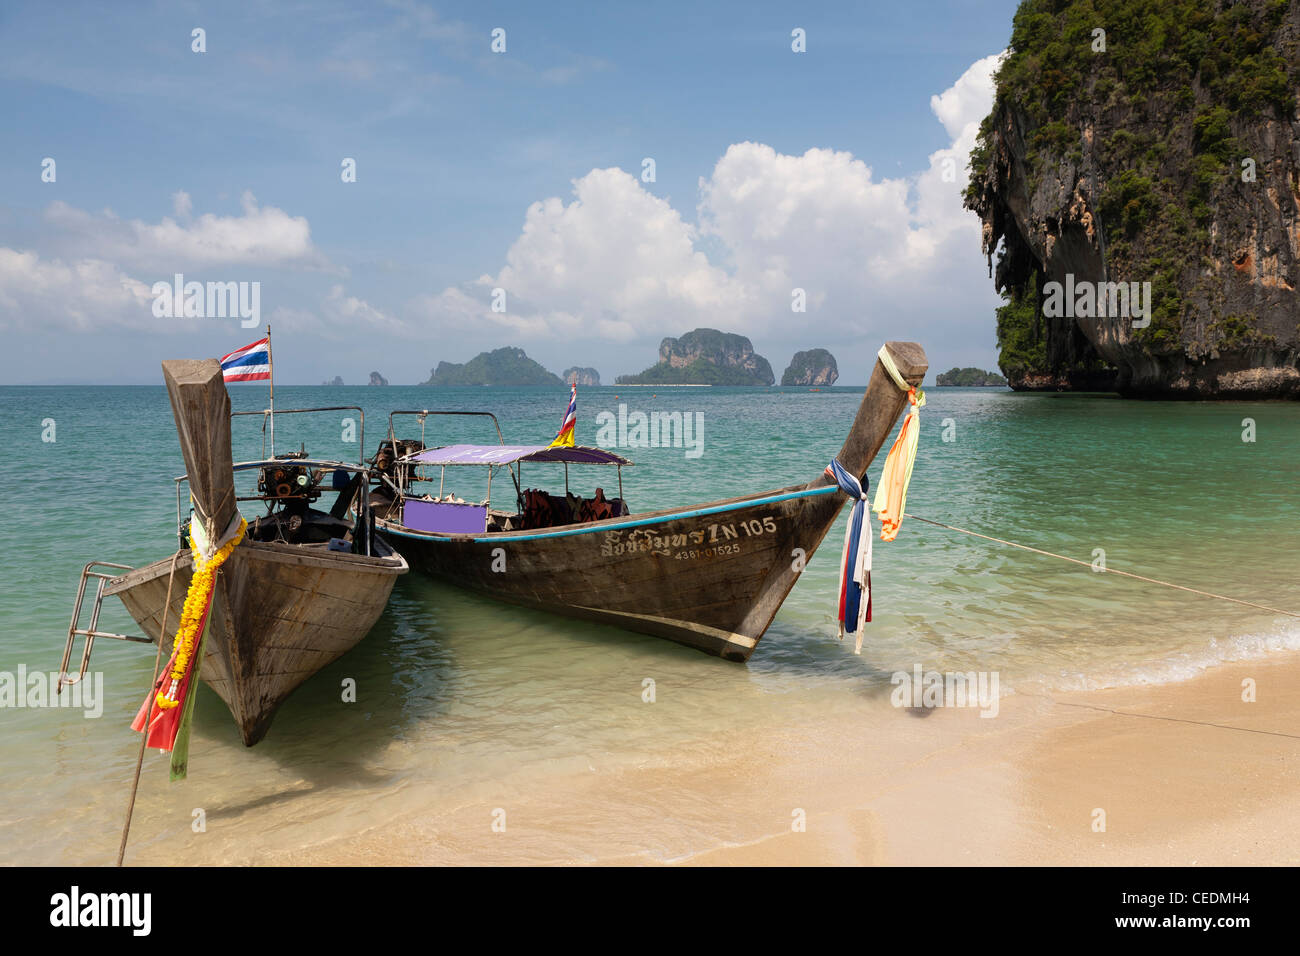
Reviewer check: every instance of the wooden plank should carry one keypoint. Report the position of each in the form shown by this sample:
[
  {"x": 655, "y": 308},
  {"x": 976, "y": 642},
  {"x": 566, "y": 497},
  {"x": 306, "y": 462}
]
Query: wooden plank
[{"x": 201, "y": 407}]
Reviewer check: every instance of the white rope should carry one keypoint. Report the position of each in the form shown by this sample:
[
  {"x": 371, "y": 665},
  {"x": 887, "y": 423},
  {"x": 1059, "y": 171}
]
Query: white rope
[{"x": 1108, "y": 570}]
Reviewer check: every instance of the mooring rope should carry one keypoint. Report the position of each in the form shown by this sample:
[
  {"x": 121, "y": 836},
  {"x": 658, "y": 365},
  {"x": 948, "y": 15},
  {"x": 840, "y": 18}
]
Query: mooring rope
[
  {"x": 1107, "y": 570},
  {"x": 144, "y": 734}
]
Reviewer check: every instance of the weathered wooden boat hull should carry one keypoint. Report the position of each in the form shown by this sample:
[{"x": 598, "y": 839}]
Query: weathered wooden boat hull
[
  {"x": 279, "y": 614},
  {"x": 711, "y": 577}
]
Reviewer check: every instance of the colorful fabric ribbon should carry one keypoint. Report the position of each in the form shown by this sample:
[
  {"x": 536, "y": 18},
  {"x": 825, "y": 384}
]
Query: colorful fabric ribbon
[
  {"x": 891, "y": 496},
  {"x": 855, "y": 560},
  {"x": 891, "y": 499},
  {"x": 164, "y": 711}
]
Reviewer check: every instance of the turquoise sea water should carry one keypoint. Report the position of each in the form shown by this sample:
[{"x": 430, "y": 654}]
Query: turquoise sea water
[{"x": 457, "y": 694}]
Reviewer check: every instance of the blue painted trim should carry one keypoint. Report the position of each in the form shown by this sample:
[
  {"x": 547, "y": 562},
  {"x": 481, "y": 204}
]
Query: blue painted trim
[{"x": 605, "y": 526}]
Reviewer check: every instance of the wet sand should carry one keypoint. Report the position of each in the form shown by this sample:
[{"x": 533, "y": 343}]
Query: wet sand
[{"x": 1186, "y": 774}]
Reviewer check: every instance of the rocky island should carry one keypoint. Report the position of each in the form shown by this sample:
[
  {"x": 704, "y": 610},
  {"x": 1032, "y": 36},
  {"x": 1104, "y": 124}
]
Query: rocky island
[
  {"x": 583, "y": 376},
  {"x": 813, "y": 367},
  {"x": 969, "y": 378},
  {"x": 1153, "y": 151},
  {"x": 337, "y": 380},
  {"x": 377, "y": 379},
  {"x": 504, "y": 366},
  {"x": 705, "y": 357}
]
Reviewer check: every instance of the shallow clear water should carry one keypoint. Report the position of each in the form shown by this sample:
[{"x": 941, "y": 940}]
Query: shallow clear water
[{"x": 458, "y": 697}]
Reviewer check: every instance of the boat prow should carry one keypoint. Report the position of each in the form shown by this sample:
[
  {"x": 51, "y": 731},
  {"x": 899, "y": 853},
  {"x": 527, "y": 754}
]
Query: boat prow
[
  {"x": 300, "y": 589},
  {"x": 280, "y": 613}
]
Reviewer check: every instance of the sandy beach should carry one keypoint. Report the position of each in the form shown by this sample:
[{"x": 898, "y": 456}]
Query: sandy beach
[{"x": 1186, "y": 774}]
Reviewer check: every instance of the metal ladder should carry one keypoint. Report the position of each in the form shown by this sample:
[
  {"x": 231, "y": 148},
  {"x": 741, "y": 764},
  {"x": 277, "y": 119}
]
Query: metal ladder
[{"x": 92, "y": 570}]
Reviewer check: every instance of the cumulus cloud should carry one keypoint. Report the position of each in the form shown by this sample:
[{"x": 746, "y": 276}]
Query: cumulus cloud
[
  {"x": 259, "y": 236},
  {"x": 870, "y": 253},
  {"x": 616, "y": 260},
  {"x": 877, "y": 256},
  {"x": 96, "y": 270},
  {"x": 86, "y": 294},
  {"x": 348, "y": 310},
  {"x": 968, "y": 100}
]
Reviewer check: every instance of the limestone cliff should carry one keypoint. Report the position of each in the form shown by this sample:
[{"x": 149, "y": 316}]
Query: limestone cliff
[
  {"x": 813, "y": 367},
  {"x": 706, "y": 357},
  {"x": 1134, "y": 142},
  {"x": 583, "y": 376}
]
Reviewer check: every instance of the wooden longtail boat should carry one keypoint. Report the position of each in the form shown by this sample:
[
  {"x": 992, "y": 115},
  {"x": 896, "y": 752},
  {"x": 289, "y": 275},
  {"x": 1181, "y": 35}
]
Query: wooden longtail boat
[
  {"x": 303, "y": 587},
  {"x": 710, "y": 576}
]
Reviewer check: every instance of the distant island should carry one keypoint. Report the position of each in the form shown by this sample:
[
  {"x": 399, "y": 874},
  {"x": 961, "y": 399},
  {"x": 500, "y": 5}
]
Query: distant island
[
  {"x": 705, "y": 357},
  {"x": 969, "y": 377},
  {"x": 377, "y": 379},
  {"x": 813, "y": 367},
  {"x": 584, "y": 376},
  {"x": 504, "y": 366},
  {"x": 338, "y": 380}
]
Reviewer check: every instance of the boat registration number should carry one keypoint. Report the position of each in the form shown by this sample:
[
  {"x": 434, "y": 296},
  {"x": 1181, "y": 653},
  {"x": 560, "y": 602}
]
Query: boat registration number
[{"x": 704, "y": 542}]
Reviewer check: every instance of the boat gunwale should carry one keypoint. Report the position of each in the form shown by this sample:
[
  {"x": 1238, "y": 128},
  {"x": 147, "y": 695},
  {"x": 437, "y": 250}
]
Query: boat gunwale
[
  {"x": 789, "y": 493},
  {"x": 278, "y": 552}
]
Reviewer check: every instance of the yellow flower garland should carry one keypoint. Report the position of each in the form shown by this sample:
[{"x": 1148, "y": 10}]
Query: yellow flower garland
[{"x": 196, "y": 602}]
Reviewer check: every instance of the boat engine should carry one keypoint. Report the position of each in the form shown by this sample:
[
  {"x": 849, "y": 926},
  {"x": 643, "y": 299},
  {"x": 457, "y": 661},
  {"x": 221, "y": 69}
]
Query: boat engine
[
  {"x": 289, "y": 481},
  {"x": 385, "y": 461}
]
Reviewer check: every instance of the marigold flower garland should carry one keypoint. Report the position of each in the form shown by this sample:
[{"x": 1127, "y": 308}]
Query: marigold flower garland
[{"x": 195, "y": 611}]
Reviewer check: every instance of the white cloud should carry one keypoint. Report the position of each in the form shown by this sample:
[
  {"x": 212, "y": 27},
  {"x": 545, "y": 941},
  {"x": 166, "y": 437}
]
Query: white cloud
[
  {"x": 348, "y": 311},
  {"x": 969, "y": 99},
  {"x": 259, "y": 236},
  {"x": 84, "y": 295},
  {"x": 616, "y": 260},
  {"x": 97, "y": 270},
  {"x": 878, "y": 256},
  {"x": 872, "y": 254}
]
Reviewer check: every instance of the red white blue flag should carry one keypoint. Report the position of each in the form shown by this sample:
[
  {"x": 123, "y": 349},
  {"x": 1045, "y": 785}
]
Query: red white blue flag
[{"x": 252, "y": 363}]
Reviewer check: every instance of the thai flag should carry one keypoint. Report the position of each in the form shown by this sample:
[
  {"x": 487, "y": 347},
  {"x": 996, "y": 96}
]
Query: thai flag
[
  {"x": 565, "y": 438},
  {"x": 249, "y": 364}
]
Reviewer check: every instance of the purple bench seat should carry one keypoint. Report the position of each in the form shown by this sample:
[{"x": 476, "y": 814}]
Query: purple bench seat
[{"x": 447, "y": 517}]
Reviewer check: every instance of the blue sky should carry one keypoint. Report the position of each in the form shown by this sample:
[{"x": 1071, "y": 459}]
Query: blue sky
[{"x": 479, "y": 170}]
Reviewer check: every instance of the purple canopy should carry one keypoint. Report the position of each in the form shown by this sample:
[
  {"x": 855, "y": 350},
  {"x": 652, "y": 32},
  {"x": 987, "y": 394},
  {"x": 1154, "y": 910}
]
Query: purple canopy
[{"x": 508, "y": 454}]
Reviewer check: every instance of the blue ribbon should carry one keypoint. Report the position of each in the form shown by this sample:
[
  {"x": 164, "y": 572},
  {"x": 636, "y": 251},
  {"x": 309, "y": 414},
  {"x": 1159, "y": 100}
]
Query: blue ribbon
[{"x": 858, "y": 492}]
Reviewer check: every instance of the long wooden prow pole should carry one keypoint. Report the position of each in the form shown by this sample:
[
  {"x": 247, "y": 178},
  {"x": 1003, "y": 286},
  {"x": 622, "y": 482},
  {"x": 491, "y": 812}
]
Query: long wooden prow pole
[
  {"x": 882, "y": 403},
  {"x": 201, "y": 407}
]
